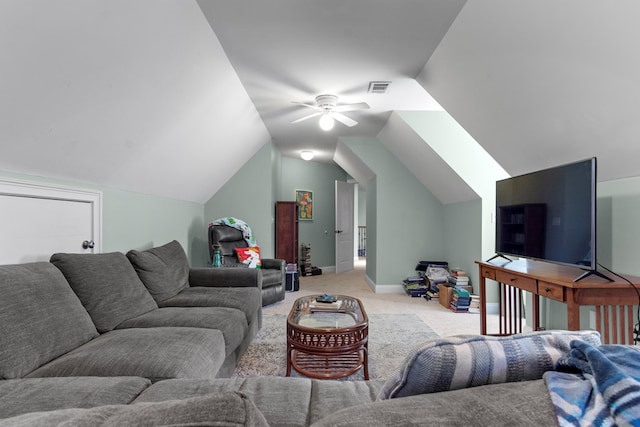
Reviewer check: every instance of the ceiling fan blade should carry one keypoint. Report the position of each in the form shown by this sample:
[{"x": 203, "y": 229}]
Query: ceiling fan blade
[
  {"x": 315, "y": 107},
  {"x": 343, "y": 119},
  {"x": 307, "y": 117},
  {"x": 351, "y": 107}
]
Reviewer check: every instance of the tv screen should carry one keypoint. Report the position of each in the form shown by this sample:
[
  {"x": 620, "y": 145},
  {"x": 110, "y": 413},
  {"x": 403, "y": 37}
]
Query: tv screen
[{"x": 549, "y": 215}]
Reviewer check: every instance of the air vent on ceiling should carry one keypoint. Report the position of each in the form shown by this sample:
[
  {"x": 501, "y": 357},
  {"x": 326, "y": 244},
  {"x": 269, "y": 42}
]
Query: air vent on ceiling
[{"x": 378, "y": 87}]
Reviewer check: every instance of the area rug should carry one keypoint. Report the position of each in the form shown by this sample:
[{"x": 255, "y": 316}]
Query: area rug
[{"x": 391, "y": 338}]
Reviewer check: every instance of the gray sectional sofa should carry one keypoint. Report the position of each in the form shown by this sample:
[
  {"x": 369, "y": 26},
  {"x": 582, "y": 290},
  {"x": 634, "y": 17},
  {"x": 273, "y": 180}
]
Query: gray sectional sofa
[
  {"x": 142, "y": 339},
  {"x": 436, "y": 386},
  {"x": 96, "y": 315}
]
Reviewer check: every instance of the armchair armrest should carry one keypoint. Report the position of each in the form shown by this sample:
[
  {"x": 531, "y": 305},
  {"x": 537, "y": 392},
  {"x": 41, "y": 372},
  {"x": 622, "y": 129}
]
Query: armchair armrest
[
  {"x": 225, "y": 277},
  {"x": 274, "y": 263}
]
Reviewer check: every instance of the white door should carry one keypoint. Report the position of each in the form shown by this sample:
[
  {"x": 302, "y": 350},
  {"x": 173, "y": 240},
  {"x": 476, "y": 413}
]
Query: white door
[
  {"x": 344, "y": 226},
  {"x": 37, "y": 221}
]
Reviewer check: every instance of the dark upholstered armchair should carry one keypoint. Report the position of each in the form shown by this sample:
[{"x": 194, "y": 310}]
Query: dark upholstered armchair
[{"x": 272, "y": 271}]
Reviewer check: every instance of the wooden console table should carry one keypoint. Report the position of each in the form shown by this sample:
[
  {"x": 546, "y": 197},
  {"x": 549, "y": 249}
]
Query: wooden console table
[{"x": 613, "y": 301}]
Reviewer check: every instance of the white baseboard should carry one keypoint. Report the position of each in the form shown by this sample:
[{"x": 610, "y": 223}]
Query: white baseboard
[
  {"x": 372, "y": 285},
  {"x": 384, "y": 289},
  {"x": 389, "y": 289}
]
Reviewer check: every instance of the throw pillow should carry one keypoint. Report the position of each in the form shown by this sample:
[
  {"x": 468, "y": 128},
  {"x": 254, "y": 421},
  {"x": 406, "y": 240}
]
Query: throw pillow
[
  {"x": 461, "y": 362},
  {"x": 250, "y": 256},
  {"x": 164, "y": 270}
]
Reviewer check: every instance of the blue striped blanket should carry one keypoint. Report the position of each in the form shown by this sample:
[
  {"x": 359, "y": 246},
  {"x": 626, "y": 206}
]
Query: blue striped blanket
[{"x": 596, "y": 385}]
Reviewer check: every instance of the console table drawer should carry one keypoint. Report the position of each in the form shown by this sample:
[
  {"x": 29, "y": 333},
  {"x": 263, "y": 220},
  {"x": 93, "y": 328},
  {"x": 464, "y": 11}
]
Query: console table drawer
[
  {"x": 552, "y": 291},
  {"x": 489, "y": 273},
  {"x": 524, "y": 283}
]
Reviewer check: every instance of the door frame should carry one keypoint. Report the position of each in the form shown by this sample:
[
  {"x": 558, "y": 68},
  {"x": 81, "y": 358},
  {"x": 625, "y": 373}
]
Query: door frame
[{"x": 21, "y": 188}]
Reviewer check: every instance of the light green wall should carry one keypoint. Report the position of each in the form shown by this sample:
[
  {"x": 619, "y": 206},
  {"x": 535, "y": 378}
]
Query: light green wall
[
  {"x": 248, "y": 196},
  {"x": 138, "y": 221},
  {"x": 617, "y": 241},
  {"x": 618, "y": 225},
  {"x": 268, "y": 177},
  {"x": 409, "y": 223},
  {"x": 467, "y": 158},
  {"x": 319, "y": 178},
  {"x": 362, "y": 207},
  {"x": 463, "y": 242},
  {"x": 372, "y": 230},
  {"x": 276, "y": 170}
]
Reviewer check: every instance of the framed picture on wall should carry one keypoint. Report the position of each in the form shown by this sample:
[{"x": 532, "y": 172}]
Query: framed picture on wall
[{"x": 304, "y": 198}]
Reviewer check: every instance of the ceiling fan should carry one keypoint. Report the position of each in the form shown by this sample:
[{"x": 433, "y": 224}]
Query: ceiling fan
[{"x": 327, "y": 107}]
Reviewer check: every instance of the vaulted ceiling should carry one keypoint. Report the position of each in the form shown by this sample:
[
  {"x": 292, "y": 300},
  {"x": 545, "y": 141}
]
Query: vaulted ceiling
[{"x": 172, "y": 97}]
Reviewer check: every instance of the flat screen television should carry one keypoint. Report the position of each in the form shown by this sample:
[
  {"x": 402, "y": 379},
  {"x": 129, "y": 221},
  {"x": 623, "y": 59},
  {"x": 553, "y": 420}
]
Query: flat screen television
[{"x": 550, "y": 215}]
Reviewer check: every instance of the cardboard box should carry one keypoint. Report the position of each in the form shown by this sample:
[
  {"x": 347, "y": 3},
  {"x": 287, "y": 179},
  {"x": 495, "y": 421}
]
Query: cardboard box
[
  {"x": 466, "y": 288},
  {"x": 444, "y": 295}
]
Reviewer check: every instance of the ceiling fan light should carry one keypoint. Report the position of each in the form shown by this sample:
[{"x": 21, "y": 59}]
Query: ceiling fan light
[
  {"x": 326, "y": 122},
  {"x": 307, "y": 155}
]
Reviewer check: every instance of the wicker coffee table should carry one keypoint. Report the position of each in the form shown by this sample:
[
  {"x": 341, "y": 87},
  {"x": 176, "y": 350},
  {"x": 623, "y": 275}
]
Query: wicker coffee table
[{"x": 328, "y": 340}]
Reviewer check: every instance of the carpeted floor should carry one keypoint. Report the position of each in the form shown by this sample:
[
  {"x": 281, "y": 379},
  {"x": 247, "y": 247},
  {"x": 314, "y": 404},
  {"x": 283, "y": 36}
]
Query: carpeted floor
[{"x": 391, "y": 337}]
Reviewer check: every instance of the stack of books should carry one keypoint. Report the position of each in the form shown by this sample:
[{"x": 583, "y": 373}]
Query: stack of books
[
  {"x": 325, "y": 306},
  {"x": 414, "y": 286},
  {"x": 458, "y": 277},
  {"x": 474, "y": 306},
  {"x": 460, "y": 301},
  {"x": 431, "y": 295}
]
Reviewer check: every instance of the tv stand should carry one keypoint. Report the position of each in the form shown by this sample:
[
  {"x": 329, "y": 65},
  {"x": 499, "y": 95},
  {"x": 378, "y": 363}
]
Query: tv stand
[
  {"x": 613, "y": 300},
  {"x": 499, "y": 255},
  {"x": 588, "y": 273}
]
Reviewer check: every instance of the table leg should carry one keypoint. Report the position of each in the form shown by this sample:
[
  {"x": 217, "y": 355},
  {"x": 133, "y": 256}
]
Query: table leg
[
  {"x": 365, "y": 361},
  {"x": 535, "y": 298},
  {"x": 483, "y": 305}
]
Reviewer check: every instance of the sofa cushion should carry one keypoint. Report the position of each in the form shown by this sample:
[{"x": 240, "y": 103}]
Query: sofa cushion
[
  {"x": 107, "y": 285},
  {"x": 40, "y": 318},
  {"x": 215, "y": 409},
  {"x": 283, "y": 401},
  {"x": 511, "y": 404},
  {"x": 248, "y": 300},
  {"x": 154, "y": 353},
  {"x": 231, "y": 322},
  {"x": 48, "y": 394},
  {"x": 459, "y": 362},
  {"x": 305, "y": 400},
  {"x": 164, "y": 270}
]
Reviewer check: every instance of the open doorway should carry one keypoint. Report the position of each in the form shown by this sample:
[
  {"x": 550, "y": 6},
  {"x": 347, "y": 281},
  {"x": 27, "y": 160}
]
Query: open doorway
[{"x": 360, "y": 219}]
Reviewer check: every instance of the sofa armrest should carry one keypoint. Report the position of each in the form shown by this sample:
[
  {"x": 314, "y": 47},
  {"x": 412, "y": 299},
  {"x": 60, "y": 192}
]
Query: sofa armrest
[
  {"x": 272, "y": 263},
  {"x": 225, "y": 277}
]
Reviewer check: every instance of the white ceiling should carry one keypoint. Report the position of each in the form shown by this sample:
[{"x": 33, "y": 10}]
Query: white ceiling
[
  {"x": 172, "y": 97},
  {"x": 134, "y": 95},
  {"x": 542, "y": 83},
  {"x": 294, "y": 50}
]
